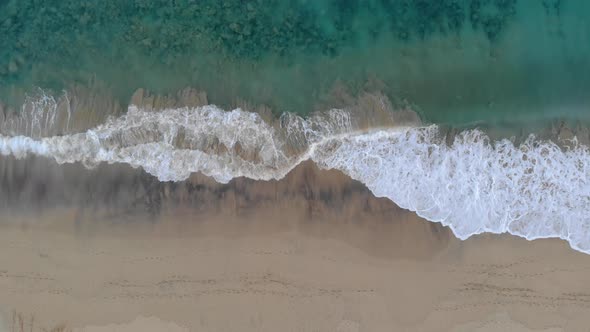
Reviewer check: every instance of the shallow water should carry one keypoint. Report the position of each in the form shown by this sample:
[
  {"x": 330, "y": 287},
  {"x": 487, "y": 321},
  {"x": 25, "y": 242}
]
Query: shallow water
[{"x": 457, "y": 62}]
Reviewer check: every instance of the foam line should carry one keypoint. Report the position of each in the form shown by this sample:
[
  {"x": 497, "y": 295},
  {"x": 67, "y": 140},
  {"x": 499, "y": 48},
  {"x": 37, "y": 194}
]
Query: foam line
[{"x": 534, "y": 190}]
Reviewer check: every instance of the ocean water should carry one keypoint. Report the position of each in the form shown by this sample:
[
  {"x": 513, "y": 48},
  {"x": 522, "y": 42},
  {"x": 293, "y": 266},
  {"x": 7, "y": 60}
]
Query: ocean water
[
  {"x": 457, "y": 62},
  {"x": 488, "y": 69}
]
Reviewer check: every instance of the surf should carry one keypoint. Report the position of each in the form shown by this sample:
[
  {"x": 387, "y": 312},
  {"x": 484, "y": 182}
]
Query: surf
[{"x": 468, "y": 182}]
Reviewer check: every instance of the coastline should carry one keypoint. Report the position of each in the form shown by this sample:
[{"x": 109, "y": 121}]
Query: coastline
[{"x": 358, "y": 165}]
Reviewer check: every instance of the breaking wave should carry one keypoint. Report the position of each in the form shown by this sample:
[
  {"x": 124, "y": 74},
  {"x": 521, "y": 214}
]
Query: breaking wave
[{"x": 473, "y": 185}]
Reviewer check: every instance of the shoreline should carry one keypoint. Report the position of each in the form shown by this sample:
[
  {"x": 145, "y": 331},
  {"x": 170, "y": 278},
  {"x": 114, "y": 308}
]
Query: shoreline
[{"x": 172, "y": 141}]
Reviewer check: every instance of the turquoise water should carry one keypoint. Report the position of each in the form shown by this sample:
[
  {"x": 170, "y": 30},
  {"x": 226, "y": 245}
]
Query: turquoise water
[{"x": 457, "y": 62}]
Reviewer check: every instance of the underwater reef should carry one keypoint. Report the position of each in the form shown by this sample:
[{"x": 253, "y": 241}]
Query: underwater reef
[{"x": 74, "y": 36}]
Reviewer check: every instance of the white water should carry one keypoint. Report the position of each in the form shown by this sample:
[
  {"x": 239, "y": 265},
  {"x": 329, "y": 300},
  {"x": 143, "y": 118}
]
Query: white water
[{"x": 535, "y": 190}]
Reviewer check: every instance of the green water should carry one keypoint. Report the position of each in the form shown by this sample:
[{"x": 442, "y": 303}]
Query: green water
[{"x": 458, "y": 62}]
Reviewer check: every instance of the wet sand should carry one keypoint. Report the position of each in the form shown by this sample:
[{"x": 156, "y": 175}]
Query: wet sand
[{"x": 314, "y": 251}]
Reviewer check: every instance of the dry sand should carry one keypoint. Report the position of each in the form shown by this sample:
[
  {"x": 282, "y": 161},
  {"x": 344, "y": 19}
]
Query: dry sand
[{"x": 312, "y": 252}]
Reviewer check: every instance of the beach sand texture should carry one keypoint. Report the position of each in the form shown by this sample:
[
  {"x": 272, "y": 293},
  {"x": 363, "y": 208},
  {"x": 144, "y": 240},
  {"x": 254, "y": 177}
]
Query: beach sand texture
[{"x": 263, "y": 260}]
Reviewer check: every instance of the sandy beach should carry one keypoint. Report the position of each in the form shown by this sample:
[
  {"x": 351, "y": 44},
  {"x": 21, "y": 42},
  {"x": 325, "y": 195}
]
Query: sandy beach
[{"x": 280, "y": 256}]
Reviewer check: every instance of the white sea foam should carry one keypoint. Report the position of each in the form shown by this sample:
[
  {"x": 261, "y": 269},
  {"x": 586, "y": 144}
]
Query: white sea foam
[
  {"x": 534, "y": 190},
  {"x": 174, "y": 143},
  {"x": 38, "y": 116}
]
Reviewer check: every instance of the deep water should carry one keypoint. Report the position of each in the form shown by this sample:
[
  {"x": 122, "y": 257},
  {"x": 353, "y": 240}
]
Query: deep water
[{"x": 505, "y": 62}]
